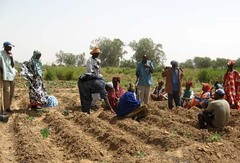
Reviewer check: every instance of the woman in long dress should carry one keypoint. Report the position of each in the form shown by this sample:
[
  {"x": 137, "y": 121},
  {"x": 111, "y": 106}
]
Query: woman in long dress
[{"x": 32, "y": 71}]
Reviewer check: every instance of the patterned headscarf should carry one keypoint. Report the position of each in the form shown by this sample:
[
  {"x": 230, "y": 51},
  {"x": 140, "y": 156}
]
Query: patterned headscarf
[{"x": 36, "y": 63}]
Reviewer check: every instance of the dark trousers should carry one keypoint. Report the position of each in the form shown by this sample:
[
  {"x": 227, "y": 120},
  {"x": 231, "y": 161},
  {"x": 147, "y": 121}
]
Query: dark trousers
[
  {"x": 174, "y": 96},
  {"x": 205, "y": 118},
  {"x": 85, "y": 95}
]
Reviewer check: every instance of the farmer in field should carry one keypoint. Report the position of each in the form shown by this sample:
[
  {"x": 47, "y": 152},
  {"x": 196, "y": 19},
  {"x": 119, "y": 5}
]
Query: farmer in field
[
  {"x": 187, "y": 95},
  {"x": 8, "y": 74},
  {"x": 32, "y": 71},
  {"x": 173, "y": 86},
  {"x": 93, "y": 66},
  {"x": 130, "y": 106},
  {"x": 231, "y": 86},
  {"x": 115, "y": 93},
  {"x": 89, "y": 84},
  {"x": 217, "y": 113},
  {"x": 201, "y": 101},
  {"x": 159, "y": 93},
  {"x": 144, "y": 72},
  {"x": 214, "y": 88},
  {"x": 93, "y": 63}
]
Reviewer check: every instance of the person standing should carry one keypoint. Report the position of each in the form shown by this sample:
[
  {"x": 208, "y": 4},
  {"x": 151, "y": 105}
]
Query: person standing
[
  {"x": 144, "y": 72},
  {"x": 93, "y": 63},
  {"x": 217, "y": 113},
  {"x": 173, "y": 82},
  {"x": 231, "y": 86},
  {"x": 8, "y": 73},
  {"x": 32, "y": 71}
]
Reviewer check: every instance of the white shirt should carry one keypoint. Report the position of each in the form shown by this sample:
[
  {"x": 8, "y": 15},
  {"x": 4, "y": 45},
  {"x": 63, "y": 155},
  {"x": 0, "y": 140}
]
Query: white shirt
[{"x": 93, "y": 66}]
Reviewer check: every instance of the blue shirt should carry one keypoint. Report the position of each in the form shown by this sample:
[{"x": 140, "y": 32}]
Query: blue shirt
[
  {"x": 145, "y": 76},
  {"x": 127, "y": 104},
  {"x": 175, "y": 80}
]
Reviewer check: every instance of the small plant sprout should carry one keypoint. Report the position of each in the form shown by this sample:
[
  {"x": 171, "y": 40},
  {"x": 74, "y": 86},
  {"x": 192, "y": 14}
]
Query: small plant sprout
[
  {"x": 214, "y": 137},
  {"x": 45, "y": 132},
  {"x": 141, "y": 154}
]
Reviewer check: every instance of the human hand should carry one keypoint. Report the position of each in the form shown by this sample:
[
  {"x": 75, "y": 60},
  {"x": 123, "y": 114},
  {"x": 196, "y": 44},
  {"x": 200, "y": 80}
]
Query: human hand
[{"x": 96, "y": 66}]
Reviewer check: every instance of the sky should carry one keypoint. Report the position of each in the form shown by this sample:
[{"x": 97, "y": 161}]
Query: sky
[{"x": 185, "y": 28}]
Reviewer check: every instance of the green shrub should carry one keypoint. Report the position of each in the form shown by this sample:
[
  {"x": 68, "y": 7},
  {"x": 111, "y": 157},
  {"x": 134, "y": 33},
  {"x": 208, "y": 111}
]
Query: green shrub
[{"x": 50, "y": 74}]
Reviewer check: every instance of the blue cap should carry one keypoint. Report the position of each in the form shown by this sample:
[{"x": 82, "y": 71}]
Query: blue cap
[
  {"x": 220, "y": 92},
  {"x": 6, "y": 43}
]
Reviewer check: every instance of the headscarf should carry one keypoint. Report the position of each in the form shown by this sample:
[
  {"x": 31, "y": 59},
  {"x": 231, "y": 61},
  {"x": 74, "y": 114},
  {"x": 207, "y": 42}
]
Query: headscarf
[
  {"x": 206, "y": 87},
  {"x": 231, "y": 62},
  {"x": 36, "y": 63},
  {"x": 188, "y": 83}
]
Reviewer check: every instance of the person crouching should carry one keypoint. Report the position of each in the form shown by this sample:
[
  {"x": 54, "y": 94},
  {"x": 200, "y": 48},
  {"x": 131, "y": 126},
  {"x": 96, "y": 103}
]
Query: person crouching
[{"x": 130, "y": 106}]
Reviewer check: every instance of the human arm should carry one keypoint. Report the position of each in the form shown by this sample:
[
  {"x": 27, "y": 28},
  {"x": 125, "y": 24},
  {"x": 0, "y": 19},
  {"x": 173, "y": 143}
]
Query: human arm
[{"x": 108, "y": 104}]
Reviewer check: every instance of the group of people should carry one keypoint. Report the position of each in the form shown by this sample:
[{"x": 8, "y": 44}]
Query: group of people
[
  {"x": 31, "y": 71},
  {"x": 216, "y": 105},
  {"x": 130, "y": 103}
]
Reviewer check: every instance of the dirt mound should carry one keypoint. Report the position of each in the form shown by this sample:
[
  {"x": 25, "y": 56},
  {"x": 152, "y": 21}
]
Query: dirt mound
[{"x": 64, "y": 134}]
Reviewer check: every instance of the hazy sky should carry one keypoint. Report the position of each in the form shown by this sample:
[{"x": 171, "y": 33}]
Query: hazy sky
[{"x": 185, "y": 28}]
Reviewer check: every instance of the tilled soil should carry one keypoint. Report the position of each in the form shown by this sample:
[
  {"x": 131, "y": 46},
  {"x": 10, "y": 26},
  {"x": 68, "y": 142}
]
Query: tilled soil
[{"x": 64, "y": 134}]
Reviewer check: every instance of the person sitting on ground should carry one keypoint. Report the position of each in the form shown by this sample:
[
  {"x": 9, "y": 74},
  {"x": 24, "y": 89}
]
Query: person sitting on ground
[
  {"x": 214, "y": 88},
  {"x": 130, "y": 106},
  {"x": 217, "y": 113},
  {"x": 89, "y": 84},
  {"x": 115, "y": 93},
  {"x": 202, "y": 100},
  {"x": 159, "y": 93},
  {"x": 187, "y": 95}
]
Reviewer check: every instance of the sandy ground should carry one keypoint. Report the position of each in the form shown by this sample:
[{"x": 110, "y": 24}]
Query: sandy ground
[{"x": 72, "y": 136}]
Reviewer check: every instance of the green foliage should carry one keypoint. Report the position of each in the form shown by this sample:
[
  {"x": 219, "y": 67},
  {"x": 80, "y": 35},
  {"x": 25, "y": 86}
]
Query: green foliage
[
  {"x": 111, "y": 51},
  {"x": 211, "y": 75},
  {"x": 30, "y": 118},
  {"x": 50, "y": 74},
  {"x": 45, "y": 132},
  {"x": 65, "y": 112},
  {"x": 148, "y": 47},
  {"x": 70, "y": 59},
  {"x": 214, "y": 137},
  {"x": 202, "y": 62},
  {"x": 140, "y": 154}
]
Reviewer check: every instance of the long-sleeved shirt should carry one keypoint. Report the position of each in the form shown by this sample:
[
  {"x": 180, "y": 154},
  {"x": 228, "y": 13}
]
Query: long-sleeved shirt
[
  {"x": 93, "y": 66},
  {"x": 8, "y": 71}
]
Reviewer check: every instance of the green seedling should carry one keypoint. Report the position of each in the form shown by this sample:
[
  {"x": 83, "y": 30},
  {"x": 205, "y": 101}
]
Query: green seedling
[
  {"x": 30, "y": 118},
  {"x": 45, "y": 132},
  {"x": 141, "y": 154},
  {"x": 65, "y": 113},
  {"x": 214, "y": 138}
]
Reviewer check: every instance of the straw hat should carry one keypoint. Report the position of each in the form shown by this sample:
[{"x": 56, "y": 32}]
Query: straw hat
[{"x": 95, "y": 51}]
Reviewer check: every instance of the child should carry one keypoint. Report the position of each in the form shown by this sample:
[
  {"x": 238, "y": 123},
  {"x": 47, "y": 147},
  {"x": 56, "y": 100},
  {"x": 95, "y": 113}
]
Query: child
[{"x": 187, "y": 95}]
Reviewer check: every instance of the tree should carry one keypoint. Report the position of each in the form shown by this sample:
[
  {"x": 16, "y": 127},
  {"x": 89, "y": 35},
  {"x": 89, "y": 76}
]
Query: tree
[
  {"x": 70, "y": 59},
  {"x": 148, "y": 47},
  {"x": 111, "y": 51},
  {"x": 219, "y": 63},
  {"x": 201, "y": 62},
  {"x": 80, "y": 59},
  {"x": 187, "y": 64},
  {"x": 60, "y": 57},
  {"x": 127, "y": 63}
]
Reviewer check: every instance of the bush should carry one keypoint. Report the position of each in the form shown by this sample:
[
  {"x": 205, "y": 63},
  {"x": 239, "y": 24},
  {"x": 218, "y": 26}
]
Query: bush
[{"x": 50, "y": 74}]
